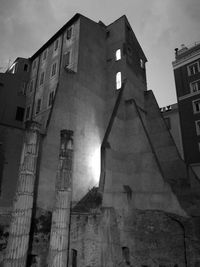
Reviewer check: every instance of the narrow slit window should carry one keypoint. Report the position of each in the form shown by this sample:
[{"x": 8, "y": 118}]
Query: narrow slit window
[
  {"x": 51, "y": 97},
  {"x": 74, "y": 258},
  {"x": 38, "y": 107},
  {"x": 118, "y": 80},
  {"x": 19, "y": 114},
  {"x": 26, "y": 67},
  {"x": 118, "y": 54},
  {"x": 126, "y": 255}
]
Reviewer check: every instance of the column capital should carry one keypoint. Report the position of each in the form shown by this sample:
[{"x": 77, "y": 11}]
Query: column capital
[
  {"x": 66, "y": 137},
  {"x": 66, "y": 133},
  {"x": 33, "y": 126}
]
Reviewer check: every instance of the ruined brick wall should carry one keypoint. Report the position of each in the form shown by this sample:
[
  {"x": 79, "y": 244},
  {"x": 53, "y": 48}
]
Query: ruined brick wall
[
  {"x": 137, "y": 238},
  {"x": 4, "y": 234}
]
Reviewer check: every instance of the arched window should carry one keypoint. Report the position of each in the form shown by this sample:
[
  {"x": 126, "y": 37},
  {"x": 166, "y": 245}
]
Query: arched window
[
  {"x": 118, "y": 80},
  {"x": 118, "y": 54}
]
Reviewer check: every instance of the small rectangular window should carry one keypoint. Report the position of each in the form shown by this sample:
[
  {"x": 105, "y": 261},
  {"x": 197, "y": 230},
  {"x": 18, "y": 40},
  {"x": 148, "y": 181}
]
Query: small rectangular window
[
  {"x": 195, "y": 86},
  {"x": 42, "y": 78},
  {"x": 38, "y": 106},
  {"x": 126, "y": 255},
  {"x": 51, "y": 97},
  {"x": 66, "y": 59},
  {"x": 56, "y": 45},
  {"x": 193, "y": 68},
  {"x": 69, "y": 33},
  {"x": 196, "y": 106},
  {"x": 197, "y": 127},
  {"x": 19, "y": 114},
  {"x": 53, "y": 69},
  {"x": 118, "y": 80},
  {"x": 74, "y": 258},
  {"x": 26, "y": 67},
  {"x": 34, "y": 64}
]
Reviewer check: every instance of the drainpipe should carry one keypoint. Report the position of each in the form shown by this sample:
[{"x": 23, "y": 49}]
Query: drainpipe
[
  {"x": 59, "y": 238},
  {"x": 17, "y": 248}
]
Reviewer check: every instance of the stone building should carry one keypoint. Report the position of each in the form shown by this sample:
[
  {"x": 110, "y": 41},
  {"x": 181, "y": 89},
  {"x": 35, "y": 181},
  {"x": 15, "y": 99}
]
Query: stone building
[
  {"x": 101, "y": 182},
  {"x": 187, "y": 79}
]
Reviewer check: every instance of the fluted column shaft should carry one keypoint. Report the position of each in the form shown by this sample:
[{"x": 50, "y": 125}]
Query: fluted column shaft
[
  {"x": 61, "y": 214},
  {"x": 16, "y": 252}
]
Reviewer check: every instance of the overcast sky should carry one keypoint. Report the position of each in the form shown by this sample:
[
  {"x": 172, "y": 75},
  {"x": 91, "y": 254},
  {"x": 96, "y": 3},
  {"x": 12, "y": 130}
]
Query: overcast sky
[{"x": 160, "y": 26}]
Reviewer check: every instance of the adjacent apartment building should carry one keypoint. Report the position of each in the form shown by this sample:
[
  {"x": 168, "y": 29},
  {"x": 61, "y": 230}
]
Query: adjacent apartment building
[
  {"x": 187, "y": 79},
  {"x": 100, "y": 180}
]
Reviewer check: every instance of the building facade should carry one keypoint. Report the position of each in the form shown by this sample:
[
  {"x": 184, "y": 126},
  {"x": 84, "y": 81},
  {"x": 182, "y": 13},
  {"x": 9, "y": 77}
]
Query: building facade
[
  {"x": 100, "y": 182},
  {"x": 187, "y": 77},
  {"x": 13, "y": 85}
]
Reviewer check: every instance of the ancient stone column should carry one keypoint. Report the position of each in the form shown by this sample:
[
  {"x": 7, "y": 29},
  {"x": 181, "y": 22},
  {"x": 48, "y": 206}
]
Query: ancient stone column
[
  {"x": 16, "y": 252},
  {"x": 59, "y": 238}
]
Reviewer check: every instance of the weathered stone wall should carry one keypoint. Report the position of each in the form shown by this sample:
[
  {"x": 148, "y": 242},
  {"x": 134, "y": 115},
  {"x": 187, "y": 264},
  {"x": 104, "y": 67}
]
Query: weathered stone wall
[
  {"x": 4, "y": 234},
  {"x": 153, "y": 238}
]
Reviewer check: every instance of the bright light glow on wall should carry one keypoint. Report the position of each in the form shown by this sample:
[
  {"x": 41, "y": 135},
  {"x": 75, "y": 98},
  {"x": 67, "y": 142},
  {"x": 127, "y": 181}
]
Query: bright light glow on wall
[
  {"x": 118, "y": 54},
  {"x": 118, "y": 80},
  {"x": 94, "y": 164}
]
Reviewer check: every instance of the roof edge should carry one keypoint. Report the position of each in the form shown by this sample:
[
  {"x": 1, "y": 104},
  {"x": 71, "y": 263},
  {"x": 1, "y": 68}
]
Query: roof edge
[{"x": 56, "y": 35}]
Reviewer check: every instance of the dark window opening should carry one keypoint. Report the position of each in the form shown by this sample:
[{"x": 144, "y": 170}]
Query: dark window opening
[
  {"x": 25, "y": 67},
  {"x": 42, "y": 78},
  {"x": 51, "y": 97},
  {"x": 193, "y": 68},
  {"x": 126, "y": 255},
  {"x": 74, "y": 258},
  {"x": 19, "y": 114}
]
